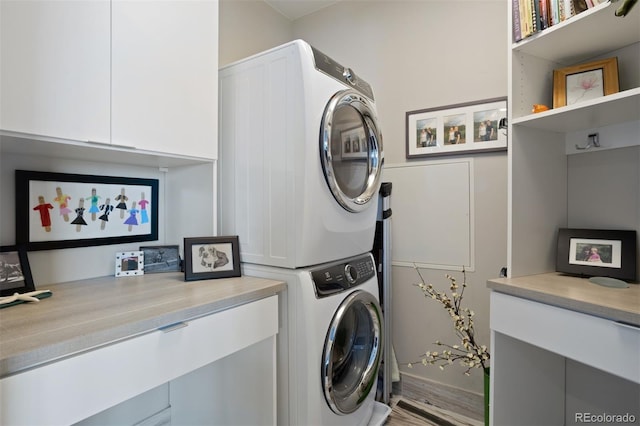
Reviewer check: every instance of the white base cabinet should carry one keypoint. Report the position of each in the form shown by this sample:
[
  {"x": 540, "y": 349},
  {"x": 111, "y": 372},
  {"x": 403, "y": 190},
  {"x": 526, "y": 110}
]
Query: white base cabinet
[
  {"x": 550, "y": 365},
  {"x": 80, "y": 386}
]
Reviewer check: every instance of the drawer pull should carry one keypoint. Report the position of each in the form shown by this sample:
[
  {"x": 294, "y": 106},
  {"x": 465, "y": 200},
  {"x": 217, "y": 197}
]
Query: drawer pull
[
  {"x": 172, "y": 327},
  {"x": 628, "y": 325}
]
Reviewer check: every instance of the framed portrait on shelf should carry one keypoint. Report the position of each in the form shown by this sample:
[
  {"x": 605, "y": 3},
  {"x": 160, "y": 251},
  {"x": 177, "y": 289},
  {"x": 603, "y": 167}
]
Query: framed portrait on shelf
[
  {"x": 457, "y": 129},
  {"x": 584, "y": 82},
  {"x": 211, "y": 257},
  {"x": 129, "y": 263},
  {"x": 161, "y": 259},
  {"x": 61, "y": 210},
  {"x": 15, "y": 273},
  {"x": 595, "y": 252}
]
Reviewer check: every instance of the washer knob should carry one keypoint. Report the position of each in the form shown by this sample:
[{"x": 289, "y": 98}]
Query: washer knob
[
  {"x": 351, "y": 273},
  {"x": 348, "y": 75}
]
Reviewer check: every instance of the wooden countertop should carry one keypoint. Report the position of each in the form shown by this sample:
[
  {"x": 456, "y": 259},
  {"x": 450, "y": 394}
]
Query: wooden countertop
[
  {"x": 82, "y": 315},
  {"x": 577, "y": 294}
]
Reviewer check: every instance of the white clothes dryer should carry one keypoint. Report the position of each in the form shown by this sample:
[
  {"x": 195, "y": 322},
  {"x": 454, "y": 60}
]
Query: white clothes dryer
[
  {"x": 330, "y": 342},
  {"x": 300, "y": 158}
]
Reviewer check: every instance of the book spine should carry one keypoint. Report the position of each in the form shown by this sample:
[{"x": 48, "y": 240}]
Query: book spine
[
  {"x": 568, "y": 9},
  {"x": 535, "y": 18},
  {"x": 524, "y": 23},
  {"x": 515, "y": 21},
  {"x": 555, "y": 12},
  {"x": 579, "y": 6},
  {"x": 528, "y": 18},
  {"x": 544, "y": 22}
]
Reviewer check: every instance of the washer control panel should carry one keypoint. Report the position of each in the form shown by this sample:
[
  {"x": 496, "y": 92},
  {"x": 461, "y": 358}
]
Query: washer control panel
[{"x": 341, "y": 276}]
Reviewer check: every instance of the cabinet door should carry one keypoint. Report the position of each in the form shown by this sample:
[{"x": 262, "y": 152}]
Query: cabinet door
[
  {"x": 55, "y": 59},
  {"x": 164, "y": 76}
]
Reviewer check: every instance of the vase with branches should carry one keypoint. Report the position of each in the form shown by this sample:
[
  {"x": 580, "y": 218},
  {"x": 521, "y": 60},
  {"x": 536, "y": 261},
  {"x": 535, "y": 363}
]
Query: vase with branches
[{"x": 468, "y": 352}]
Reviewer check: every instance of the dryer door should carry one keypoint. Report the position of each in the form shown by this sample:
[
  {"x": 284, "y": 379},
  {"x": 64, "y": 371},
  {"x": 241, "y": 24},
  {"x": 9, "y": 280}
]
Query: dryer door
[
  {"x": 351, "y": 149},
  {"x": 352, "y": 352}
]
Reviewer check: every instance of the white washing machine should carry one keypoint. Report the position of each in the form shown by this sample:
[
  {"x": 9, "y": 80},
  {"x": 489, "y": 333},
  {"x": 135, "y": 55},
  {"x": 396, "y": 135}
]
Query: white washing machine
[
  {"x": 330, "y": 342},
  {"x": 300, "y": 158}
]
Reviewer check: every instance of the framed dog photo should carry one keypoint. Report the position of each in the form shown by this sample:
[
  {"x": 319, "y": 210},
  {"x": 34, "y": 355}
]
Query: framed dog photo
[
  {"x": 15, "y": 274},
  {"x": 211, "y": 257},
  {"x": 597, "y": 253},
  {"x": 129, "y": 263}
]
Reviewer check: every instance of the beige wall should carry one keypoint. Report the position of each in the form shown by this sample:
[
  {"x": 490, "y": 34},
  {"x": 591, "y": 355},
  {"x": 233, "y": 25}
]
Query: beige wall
[
  {"x": 415, "y": 54},
  {"x": 248, "y": 27}
]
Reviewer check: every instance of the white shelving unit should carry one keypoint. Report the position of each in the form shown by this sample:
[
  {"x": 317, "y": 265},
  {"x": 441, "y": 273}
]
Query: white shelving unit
[
  {"x": 537, "y": 154},
  {"x": 542, "y": 381}
]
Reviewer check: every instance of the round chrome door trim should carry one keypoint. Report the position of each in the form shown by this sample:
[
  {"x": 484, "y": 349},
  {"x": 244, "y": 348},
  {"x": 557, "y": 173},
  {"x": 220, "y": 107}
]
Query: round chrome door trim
[
  {"x": 375, "y": 155},
  {"x": 368, "y": 377}
]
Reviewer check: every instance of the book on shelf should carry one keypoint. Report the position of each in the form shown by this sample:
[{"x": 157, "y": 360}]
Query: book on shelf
[
  {"x": 535, "y": 15},
  {"x": 532, "y": 16},
  {"x": 579, "y": 6},
  {"x": 515, "y": 21}
]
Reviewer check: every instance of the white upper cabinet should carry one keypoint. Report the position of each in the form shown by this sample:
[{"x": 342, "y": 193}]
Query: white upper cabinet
[
  {"x": 125, "y": 73},
  {"x": 164, "y": 76},
  {"x": 55, "y": 59}
]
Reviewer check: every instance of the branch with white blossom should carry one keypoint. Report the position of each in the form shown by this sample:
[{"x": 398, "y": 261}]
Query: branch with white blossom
[{"x": 469, "y": 354}]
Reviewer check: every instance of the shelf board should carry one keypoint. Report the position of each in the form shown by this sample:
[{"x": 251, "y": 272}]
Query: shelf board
[
  {"x": 612, "y": 109},
  {"x": 24, "y": 144},
  {"x": 584, "y": 36}
]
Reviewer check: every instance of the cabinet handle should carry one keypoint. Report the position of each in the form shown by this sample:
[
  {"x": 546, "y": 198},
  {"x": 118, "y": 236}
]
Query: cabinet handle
[
  {"x": 173, "y": 327},
  {"x": 112, "y": 145},
  {"x": 628, "y": 325}
]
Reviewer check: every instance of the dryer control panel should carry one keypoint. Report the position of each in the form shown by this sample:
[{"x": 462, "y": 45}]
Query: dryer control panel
[
  {"x": 343, "y": 74},
  {"x": 341, "y": 276}
]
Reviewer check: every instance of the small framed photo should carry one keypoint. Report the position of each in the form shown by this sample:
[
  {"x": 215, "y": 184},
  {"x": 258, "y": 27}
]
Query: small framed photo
[
  {"x": 354, "y": 144},
  {"x": 597, "y": 253},
  {"x": 161, "y": 259},
  {"x": 211, "y": 257},
  {"x": 129, "y": 263},
  {"x": 15, "y": 274},
  {"x": 466, "y": 128},
  {"x": 580, "y": 83}
]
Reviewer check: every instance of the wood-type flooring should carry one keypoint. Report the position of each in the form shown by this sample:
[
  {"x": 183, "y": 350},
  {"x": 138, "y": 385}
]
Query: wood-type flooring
[{"x": 410, "y": 413}]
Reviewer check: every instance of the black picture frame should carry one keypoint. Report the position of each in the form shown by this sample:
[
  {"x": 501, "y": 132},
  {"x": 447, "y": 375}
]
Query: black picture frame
[
  {"x": 15, "y": 273},
  {"x": 597, "y": 253},
  {"x": 211, "y": 257},
  {"x": 105, "y": 196},
  {"x": 159, "y": 259}
]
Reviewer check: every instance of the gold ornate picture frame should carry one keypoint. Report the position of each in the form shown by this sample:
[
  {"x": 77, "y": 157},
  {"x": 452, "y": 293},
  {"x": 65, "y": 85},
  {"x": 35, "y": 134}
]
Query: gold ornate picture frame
[{"x": 583, "y": 82}]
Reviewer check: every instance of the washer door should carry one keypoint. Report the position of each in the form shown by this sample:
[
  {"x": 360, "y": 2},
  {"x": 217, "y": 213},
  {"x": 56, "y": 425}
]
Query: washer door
[
  {"x": 352, "y": 352},
  {"x": 351, "y": 149}
]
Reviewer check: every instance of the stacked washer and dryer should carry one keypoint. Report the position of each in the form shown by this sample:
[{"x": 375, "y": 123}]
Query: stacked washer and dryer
[{"x": 300, "y": 163}]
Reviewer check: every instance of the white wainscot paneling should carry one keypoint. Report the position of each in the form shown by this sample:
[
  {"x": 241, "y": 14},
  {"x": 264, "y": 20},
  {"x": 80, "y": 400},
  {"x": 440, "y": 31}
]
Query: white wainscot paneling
[{"x": 433, "y": 211}]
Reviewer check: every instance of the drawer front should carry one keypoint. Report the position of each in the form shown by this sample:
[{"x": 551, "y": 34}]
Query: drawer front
[
  {"x": 594, "y": 341},
  {"x": 77, "y": 387}
]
